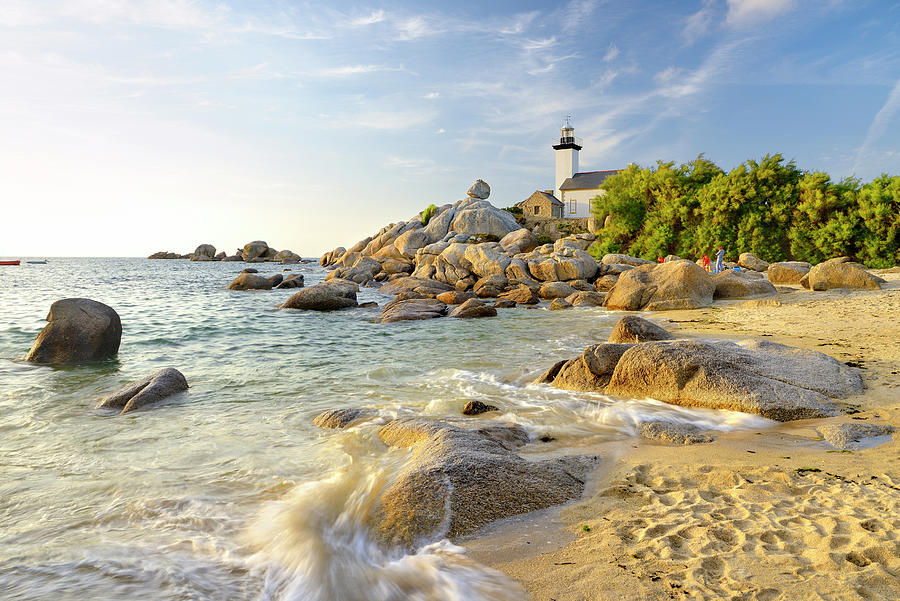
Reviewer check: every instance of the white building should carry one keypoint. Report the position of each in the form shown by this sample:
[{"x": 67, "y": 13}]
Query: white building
[{"x": 573, "y": 188}]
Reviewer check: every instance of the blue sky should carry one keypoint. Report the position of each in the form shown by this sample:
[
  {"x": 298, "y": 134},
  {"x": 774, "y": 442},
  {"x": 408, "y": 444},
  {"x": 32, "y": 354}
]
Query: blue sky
[{"x": 132, "y": 126}]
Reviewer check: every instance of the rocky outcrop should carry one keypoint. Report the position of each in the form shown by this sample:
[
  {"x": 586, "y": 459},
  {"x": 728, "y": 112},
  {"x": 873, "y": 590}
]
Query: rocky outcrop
[
  {"x": 473, "y": 308},
  {"x": 204, "y": 252},
  {"x": 788, "y": 272},
  {"x": 362, "y": 270},
  {"x": 327, "y": 296},
  {"x": 413, "y": 310},
  {"x": 661, "y": 287},
  {"x": 152, "y": 389},
  {"x": 459, "y": 479},
  {"x": 776, "y": 381},
  {"x": 257, "y": 251},
  {"x": 751, "y": 261},
  {"x": 841, "y": 273},
  {"x": 79, "y": 330},
  {"x": 631, "y": 329},
  {"x": 519, "y": 241},
  {"x": 253, "y": 281},
  {"x": 737, "y": 284}
]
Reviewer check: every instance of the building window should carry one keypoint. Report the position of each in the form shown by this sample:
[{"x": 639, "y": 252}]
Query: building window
[
  {"x": 572, "y": 206},
  {"x": 537, "y": 210}
]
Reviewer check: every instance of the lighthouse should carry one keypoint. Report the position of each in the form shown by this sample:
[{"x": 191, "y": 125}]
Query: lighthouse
[{"x": 566, "y": 155}]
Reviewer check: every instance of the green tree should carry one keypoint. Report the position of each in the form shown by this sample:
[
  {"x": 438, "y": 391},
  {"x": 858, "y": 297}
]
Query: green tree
[
  {"x": 825, "y": 221},
  {"x": 879, "y": 208}
]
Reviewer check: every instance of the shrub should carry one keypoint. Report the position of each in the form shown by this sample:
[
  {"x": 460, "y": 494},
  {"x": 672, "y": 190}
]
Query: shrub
[
  {"x": 542, "y": 239},
  {"x": 428, "y": 213}
]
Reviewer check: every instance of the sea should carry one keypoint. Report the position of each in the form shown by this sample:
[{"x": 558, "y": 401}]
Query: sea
[{"x": 228, "y": 491}]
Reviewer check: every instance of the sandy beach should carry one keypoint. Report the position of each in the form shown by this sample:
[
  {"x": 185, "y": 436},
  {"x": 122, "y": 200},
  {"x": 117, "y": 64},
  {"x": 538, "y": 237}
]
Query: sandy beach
[{"x": 774, "y": 514}]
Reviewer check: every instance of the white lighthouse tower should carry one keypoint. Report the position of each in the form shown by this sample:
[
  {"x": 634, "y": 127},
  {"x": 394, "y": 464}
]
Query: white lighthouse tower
[{"x": 566, "y": 155}]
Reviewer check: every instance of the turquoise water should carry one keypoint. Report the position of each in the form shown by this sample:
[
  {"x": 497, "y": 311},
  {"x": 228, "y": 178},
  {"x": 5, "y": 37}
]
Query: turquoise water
[{"x": 228, "y": 491}]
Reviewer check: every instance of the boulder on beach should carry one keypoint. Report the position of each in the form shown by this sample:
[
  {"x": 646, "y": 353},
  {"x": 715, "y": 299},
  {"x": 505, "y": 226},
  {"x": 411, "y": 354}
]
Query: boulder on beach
[
  {"x": 152, "y": 389},
  {"x": 737, "y": 284},
  {"x": 327, "y": 296},
  {"x": 851, "y": 436},
  {"x": 631, "y": 329},
  {"x": 787, "y": 272},
  {"x": 459, "y": 479},
  {"x": 776, "y": 381},
  {"x": 751, "y": 261},
  {"x": 473, "y": 308},
  {"x": 412, "y": 310},
  {"x": 662, "y": 287},
  {"x": 79, "y": 330},
  {"x": 841, "y": 273},
  {"x": 253, "y": 281}
]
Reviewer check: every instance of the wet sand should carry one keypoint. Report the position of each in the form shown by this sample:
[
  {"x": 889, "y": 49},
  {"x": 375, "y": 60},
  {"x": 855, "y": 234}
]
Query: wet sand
[{"x": 774, "y": 514}]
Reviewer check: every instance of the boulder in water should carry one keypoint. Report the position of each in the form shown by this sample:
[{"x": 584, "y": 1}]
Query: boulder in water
[
  {"x": 327, "y": 296},
  {"x": 337, "y": 419},
  {"x": 203, "y": 252},
  {"x": 413, "y": 309},
  {"x": 152, "y": 389},
  {"x": 252, "y": 281},
  {"x": 80, "y": 330},
  {"x": 631, "y": 329},
  {"x": 473, "y": 308}
]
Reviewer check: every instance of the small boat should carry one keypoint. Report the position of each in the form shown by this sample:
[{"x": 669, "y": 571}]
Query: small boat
[
  {"x": 16, "y": 262},
  {"x": 41, "y": 262}
]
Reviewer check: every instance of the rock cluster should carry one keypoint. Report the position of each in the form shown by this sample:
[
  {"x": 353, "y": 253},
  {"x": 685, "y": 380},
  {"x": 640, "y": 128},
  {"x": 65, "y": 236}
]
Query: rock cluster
[
  {"x": 253, "y": 252},
  {"x": 768, "y": 379}
]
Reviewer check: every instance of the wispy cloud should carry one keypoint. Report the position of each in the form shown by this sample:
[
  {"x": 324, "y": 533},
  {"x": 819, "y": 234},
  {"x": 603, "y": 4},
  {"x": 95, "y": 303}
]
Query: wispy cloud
[
  {"x": 408, "y": 162},
  {"x": 611, "y": 53},
  {"x": 350, "y": 70},
  {"x": 879, "y": 124},
  {"x": 376, "y": 16},
  {"x": 697, "y": 25},
  {"x": 753, "y": 12}
]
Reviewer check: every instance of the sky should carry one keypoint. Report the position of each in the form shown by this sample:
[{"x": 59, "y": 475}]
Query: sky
[{"x": 130, "y": 126}]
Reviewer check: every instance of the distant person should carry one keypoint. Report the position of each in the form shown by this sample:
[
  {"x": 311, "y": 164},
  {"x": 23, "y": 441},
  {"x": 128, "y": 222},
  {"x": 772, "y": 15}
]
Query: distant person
[
  {"x": 706, "y": 263},
  {"x": 661, "y": 260},
  {"x": 720, "y": 260}
]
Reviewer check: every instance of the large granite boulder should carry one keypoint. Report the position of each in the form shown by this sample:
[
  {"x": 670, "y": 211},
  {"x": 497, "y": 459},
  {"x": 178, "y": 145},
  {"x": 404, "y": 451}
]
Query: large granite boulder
[
  {"x": 552, "y": 290},
  {"x": 422, "y": 286},
  {"x": 768, "y": 379},
  {"x": 454, "y": 297},
  {"x": 80, "y": 330},
  {"x": 522, "y": 295},
  {"x": 491, "y": 286},
  {"x": 751, "y": 261},
  {"x": 631, "y": 329},
  {"x": 479, "y": 189},
  {"x": 519, "y": 241},
  {"x": 412, "y": 310},
  {"x": 257, "y": 250},
  {"x": 459, "y": 479},
  {"x": 586, "y": 298},
  {"x": 204, "y": 252},
  {"x": 737, "y": 284},
  {"x": 787, "y": 272},
  {"x": 152, "y": 389},
  {"x": 487, "y": 259},
  {"x": 842, "y": 273},
  {"x": 327, "y": 296},
  {"x": 479, "y": 217},
  {"x": 618, "y": 259},
  {"x": 473, "y": 308},
  {"x": 408, "y": 243},
  {"x": 253, "y": 281},
  {"x": 589, "y": 372},
  {"x": 661, "y": 287}
]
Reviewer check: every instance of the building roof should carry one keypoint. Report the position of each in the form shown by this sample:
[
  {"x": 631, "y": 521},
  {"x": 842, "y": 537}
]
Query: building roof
[
  {"x": 587, "y": 180},
  {"x": 553, "y": 200}
]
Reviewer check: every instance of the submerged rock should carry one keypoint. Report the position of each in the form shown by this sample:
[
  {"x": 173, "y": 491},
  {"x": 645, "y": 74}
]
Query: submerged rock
[
  {"x": 292, "y": 281},
  {"x": 477, "y": 408},
  {"x": 337, "y": 419},
  {"x": 459, "y": 479},
  {"x": 152, "y": 389},
  {"x": 80, "y": 330}
]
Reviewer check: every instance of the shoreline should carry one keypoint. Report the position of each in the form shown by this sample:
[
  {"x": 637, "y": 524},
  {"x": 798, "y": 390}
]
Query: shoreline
[{"x": 770, "y": 514}]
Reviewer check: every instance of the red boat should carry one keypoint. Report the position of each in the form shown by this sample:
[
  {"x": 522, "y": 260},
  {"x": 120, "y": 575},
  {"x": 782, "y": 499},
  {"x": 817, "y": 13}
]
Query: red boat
[{"x": 9, "y": 262}]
